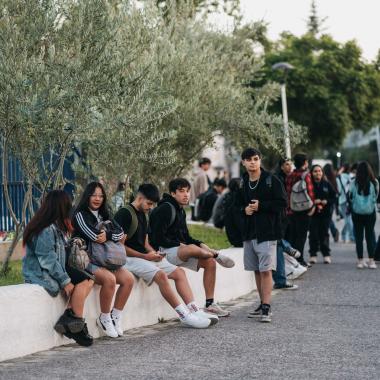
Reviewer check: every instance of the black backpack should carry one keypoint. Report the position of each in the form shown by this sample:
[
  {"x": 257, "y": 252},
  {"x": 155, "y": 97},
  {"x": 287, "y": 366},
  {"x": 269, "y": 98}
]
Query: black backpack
[{"x": 206, "y": 203}]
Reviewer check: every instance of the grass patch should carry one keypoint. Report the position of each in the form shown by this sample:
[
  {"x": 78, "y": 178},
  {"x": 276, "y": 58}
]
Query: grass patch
[
  {"x": 213, "y": 237},
  {"x": 14, "y": 275}
]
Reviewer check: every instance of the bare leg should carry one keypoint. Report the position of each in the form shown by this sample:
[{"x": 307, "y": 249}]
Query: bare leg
[
  {"x": 125, "y": 280},
  {"x": 161, "y": 279},
  {"x": 182, "y": 285},
  {"x": 107, "y": 281},
  {"x": 258, "y": 284},
  {"x": 185, "y": 252},
  {"x": 209, "y": 276},
  {"x": 266, "y": 286},
  {"x": 79, "y": 295}
]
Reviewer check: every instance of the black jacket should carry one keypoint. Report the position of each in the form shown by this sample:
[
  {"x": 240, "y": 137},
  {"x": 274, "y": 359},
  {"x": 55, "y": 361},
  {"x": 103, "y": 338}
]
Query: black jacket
[
  {"x": 272, "y": 203},
  {"x": 85, "y": 222},
  {"x": 324, "y": 191},
  {"x": 166, "y": 235}
]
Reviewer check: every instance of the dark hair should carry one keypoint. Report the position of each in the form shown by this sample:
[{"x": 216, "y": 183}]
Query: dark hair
[
  {"x": 330, "y": 174},
  {"x": 364, "y": 175},
  {"x": 220, "y": 182},
  {"x": 354, "y": 166},
  {"x": 84, "y": 202},
  {"x": 55, "y": 208},
  {"x": 149, "y": 191},
  {"x": 120, "y": 186},
  {"x": 234, "y": 184},
  {"x": 346, "y": 167},
  {"x": 178, "y": 183},
  {"x": 250, "y": 152},
  {"x": 282, "y": 161},
  {"x": 299, "y": 160},
  {"x": 203, "y": 161}
]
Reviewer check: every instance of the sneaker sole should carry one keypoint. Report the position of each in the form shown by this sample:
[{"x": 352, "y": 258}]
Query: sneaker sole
[{"x": 265, "y": 320}]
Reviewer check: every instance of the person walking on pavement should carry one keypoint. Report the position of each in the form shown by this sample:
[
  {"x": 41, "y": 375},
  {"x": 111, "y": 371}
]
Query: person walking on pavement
[
  {"x": 200, "y": 185},
  {"x": 363, "y": 196},
  {"x": 325, "y": 196},
  {"x": 261, "y": 199},
  {"x": 344, "y": 183},
  {"x": 300, "y": 220}
]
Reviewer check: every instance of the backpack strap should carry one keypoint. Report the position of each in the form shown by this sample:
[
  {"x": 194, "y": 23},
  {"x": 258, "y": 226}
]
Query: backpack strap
[
  {"x": 134, "y": 222},
  {"x": 173, "y": 213},
  {"x": 268, "y": 181}
]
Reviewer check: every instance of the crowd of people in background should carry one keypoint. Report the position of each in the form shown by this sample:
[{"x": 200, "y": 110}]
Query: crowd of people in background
[{"x": 270, "y": 214}]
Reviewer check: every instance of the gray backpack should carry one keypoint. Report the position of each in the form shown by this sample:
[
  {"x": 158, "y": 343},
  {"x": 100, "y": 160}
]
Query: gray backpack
[
  {"x": 299, "y": 197},
  {"x": 109, "y": 255}
]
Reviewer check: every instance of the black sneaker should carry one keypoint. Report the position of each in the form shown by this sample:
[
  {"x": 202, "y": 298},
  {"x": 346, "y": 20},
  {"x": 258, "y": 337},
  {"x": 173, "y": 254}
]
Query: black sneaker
[
  {"x": 292, "y": 252},
  {"x": 287, "y": 286},
  {"x": 266, "y": 314},
  {"x": 83, "y": 338},
  {"x": 255, "y": 313},
  {"x": 304, "y": 264},
  {"x": 69, "y": 322}
]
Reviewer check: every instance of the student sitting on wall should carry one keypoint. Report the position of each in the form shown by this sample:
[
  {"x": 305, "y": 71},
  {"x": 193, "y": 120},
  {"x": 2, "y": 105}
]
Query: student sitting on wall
[{"x": 45, "y": 263}]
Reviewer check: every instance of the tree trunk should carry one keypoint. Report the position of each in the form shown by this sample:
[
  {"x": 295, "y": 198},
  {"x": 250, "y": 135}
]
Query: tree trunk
[{"x": 16, "y": 238}]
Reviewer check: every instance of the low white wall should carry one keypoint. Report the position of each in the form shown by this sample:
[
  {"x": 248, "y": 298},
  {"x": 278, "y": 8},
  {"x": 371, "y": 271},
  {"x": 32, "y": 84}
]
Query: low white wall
[{"x": 28, "y": 313}]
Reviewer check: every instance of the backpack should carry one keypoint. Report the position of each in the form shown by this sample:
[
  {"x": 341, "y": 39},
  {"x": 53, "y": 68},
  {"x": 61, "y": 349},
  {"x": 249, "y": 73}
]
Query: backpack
[
  {"x": 205, "y": 204},
  {"x": 363, "y": 204},
  {"x": 134, "y": 223},
  {"x": 173, "y": 213},
  {"x": 299, "y": 197},
  {"x": 233, "y": 221}
]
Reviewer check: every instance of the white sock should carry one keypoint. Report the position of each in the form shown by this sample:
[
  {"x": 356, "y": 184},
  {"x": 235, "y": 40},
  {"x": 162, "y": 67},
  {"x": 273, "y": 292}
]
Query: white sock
[
  {"x": 182, "y": 311},
  {"x": 117, "y": 313},
  {"x": 105, "y": 317},
  {"x": 192, "y": 306}
]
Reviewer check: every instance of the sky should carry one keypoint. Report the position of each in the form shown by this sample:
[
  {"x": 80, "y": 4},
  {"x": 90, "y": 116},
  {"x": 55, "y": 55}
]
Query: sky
[{"x": 346, "y": 19}]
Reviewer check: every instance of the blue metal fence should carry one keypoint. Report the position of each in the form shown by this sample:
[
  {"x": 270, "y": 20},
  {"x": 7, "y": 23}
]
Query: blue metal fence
[{"x": 17, "y": 189}]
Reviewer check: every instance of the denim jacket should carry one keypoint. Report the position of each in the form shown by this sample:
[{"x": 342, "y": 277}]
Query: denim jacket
[{"x": 44, "y": 262}]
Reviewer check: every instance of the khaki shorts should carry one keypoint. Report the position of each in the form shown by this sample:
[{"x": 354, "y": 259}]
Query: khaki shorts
[
  {"x": 148, "y": 269},
  {"x": 260, "y": 256},
  {"x": 172, "y": 257}
]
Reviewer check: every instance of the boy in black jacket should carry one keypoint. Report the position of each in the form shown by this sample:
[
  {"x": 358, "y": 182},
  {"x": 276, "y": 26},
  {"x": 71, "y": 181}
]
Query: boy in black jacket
[
  {"x": 169, "y": 234},
  {"x": 261, "y": 199}
]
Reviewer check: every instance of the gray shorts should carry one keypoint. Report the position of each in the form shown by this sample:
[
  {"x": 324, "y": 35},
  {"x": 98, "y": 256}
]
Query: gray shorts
[
  {"x": 148, "y": 269},
  {"x": 172, "y": 257},
  {"x": 260, "y": 256}
]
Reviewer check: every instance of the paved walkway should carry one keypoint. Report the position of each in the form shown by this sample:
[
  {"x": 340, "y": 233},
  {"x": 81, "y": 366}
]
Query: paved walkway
[{"x": 328, "y": 329}]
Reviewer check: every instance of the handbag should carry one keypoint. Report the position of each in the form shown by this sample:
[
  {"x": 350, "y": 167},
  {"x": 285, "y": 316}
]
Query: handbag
[
  {"x": 109, "y": 255},
  {"x": 77, "y": 256}
]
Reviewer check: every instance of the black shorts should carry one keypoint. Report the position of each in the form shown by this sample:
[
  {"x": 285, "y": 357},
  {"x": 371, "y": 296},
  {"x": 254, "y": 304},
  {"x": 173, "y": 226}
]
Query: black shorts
[{"x": 78, "y": 276}]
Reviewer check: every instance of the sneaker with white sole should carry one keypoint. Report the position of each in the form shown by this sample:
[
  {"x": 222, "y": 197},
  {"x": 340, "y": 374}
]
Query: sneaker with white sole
[
  {"x": 313, "y": 260},
  {"x": 107, "y": 327},
  {"x": 292, "y": 252},
  {"x": 214, "y": 308},
  {"x": 255, "y": 313},
  {"x": 224, "y": 261},
  {"x": 203, "y": 314},
  {"x": 360, "y": 264},
  {"x": 266, "y": 315},
  {"x": 372, "y": 264},
  {"x": 192, "y": 320},
  {"x": 287, "y": 286},
  {"x": 117, "y": 322},
  {"x": 327, "y": 260}
]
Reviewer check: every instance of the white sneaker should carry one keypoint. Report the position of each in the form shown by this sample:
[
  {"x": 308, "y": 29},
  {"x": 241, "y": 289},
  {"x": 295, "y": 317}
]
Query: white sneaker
[
  {"x": 372, "y": 264},
  {"x": 212, "y": 317},
  {"x": 360, "y": 264},
  {"x": 107, "y": 327},
  {"x": 313, "y": 260},
  {"x": 191, "y": 320},
  {"x": 225, "y": 261},
  {"x": 327, "y": 260},
  {"x": 117, "y": 322}
]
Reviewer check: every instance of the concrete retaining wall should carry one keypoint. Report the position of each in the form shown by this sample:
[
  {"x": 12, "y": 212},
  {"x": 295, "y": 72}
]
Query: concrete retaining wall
[{"x": 28, "y": 313}]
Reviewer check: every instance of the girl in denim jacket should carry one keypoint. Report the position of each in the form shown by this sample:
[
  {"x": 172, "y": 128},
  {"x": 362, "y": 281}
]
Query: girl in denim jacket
[{"x": 45, "y": 263}]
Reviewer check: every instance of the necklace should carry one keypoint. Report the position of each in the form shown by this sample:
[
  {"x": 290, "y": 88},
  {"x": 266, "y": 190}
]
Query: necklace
[{"x": 253, "y": 187}]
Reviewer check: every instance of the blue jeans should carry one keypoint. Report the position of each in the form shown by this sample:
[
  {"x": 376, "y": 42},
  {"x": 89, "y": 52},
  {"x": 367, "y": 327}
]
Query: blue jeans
[
  {"x": 279, "y": 276},
  {"x": 348, "y": 229}
]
